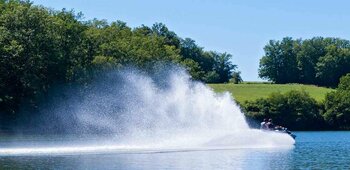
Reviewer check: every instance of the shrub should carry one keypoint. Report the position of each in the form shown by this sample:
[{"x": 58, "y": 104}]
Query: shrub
[
  {"x": 337, "y": 105},
  {"x": 295, "y": 110}
]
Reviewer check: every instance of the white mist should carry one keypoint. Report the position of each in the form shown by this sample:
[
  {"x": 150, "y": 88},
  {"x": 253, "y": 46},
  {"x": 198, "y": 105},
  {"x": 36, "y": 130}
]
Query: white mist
[{"x": 145, "y": 113}]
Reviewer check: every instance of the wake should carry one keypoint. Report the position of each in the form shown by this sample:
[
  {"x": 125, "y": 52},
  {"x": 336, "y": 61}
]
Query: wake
[
  {"x": 147, "y": 113},
  {"x": 184, "y": 143}
]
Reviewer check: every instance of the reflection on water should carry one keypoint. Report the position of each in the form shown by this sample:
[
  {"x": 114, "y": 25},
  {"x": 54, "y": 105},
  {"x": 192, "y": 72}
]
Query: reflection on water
[{"x": 313, "y": 150}]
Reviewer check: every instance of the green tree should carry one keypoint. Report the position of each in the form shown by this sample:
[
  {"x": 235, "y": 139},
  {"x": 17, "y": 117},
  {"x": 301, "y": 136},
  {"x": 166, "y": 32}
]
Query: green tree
[
  {"x": 280, "y": 61},
  {"x": 337, "y": 105},
  {"x": 307, "y": 58},
  {"x": 170, "y": 37},
  {"x": 213, "y": 67},
  {"x": 193, "y": 68},
  {"x": 236, "y": 77},
  {"x": 190, "y": 50},
  {"x": 223, "y": 65},
  {"x": 320, "y": 61},
  {"x": 344, "y": 83},
  {"x": 38, "y": 47},
  {"x": 333, "y": 65}
]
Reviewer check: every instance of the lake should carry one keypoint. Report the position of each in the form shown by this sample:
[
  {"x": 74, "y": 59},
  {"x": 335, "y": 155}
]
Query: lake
[{"x": 312, "y": 150}]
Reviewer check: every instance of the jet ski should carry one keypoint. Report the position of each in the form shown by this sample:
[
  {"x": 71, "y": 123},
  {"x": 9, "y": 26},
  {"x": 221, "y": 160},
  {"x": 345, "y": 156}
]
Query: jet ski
[{"x": 284, "y": 130}]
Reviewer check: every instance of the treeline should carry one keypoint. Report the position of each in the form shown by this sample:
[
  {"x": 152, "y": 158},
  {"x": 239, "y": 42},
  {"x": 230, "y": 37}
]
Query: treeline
[
  {"x": 40, "y": 47},
  {"x": 298, "y": 111},
  {"x": 319, "y": 61}
]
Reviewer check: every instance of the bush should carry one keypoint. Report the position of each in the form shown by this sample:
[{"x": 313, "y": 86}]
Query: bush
[
  {"x": 344, "y": 83},
  {"x": 337, "y": 105},
  {"x": 295, "y": 110}
]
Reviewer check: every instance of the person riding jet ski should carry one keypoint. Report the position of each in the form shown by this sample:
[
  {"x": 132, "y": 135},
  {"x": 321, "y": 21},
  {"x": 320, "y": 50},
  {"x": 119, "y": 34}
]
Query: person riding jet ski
[
  {"x": 270, "y": 126},
  {"x": 263, "y": 124}
]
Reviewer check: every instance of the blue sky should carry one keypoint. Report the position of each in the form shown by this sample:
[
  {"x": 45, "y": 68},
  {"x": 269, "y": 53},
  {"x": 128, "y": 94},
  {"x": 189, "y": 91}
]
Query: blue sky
[{"x": 241, "y": 27}]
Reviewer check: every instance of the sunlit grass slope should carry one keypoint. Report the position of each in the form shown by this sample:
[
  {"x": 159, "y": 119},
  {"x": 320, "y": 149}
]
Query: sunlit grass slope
[{"x": 252, "y": 91}]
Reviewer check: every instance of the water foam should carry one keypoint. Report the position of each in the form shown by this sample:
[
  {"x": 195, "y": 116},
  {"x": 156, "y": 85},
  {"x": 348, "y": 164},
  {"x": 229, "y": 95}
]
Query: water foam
[{"x": 158, "y": 113}]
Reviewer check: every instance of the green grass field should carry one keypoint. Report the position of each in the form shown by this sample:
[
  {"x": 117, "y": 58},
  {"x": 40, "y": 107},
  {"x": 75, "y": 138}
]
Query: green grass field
[{"x": 248, "y": 92}]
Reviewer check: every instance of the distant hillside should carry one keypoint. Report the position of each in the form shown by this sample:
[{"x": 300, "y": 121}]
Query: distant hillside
[{"x": 249, "y": 92}]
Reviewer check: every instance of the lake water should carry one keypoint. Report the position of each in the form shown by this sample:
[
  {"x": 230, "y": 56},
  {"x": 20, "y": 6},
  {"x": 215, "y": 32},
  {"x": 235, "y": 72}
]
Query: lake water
[{"x": 312, "y": 150}]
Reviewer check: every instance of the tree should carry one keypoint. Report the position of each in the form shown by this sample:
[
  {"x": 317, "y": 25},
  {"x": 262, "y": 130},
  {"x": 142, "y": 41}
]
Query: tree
[
  {"x": 308, "y": 56},
  {"x": 223, "y": 65},
  {"x": 193, "y": 68},
  {"x": 319, "y": 61},
  {"x": 344, "y": 83},
  {"x": 236, "y": 77},
  {"x": 215, "y": 67},
  {"x": 170, "y": 37},
  {"x": 333, "y": 65},
  {"x": 337, "y": 105},
  {"x": 280, "y": 61},
  {"x": 189, "y": 49}
]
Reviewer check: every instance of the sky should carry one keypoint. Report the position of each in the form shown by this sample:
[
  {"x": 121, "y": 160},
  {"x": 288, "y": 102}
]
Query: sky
[{"x": 239, "y": 27}]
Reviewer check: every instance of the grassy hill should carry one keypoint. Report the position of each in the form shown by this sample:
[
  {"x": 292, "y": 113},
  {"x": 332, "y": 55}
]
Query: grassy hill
[{"x": 252, "y": 91}]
